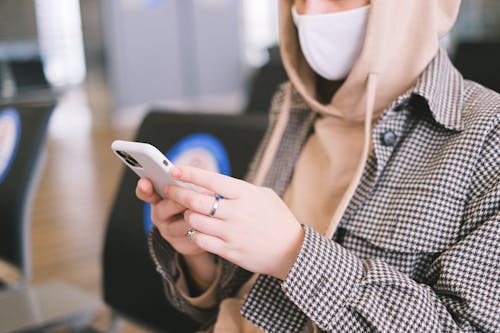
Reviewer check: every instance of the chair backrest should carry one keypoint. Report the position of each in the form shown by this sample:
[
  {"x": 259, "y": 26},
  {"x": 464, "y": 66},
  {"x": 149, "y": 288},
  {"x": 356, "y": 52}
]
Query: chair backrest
[
  {"x": 22, "y": 134},
  {"x": 265, "y": 82},
  {"x": 131, "y": 285},
  {"x": 479, "y": 61},
  {"x": 28, "y": 75}
]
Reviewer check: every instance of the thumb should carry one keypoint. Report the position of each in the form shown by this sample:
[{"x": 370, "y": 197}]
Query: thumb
[{"x": 145, "y": 191}]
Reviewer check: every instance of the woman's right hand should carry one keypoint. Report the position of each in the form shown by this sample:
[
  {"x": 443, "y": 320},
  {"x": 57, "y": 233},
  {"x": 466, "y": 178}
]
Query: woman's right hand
[{"x": 168, "y": 217}]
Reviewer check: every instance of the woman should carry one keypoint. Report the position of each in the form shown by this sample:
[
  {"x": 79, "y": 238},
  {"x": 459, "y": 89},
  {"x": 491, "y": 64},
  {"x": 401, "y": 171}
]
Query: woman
[{"x": 384, "y": 209}]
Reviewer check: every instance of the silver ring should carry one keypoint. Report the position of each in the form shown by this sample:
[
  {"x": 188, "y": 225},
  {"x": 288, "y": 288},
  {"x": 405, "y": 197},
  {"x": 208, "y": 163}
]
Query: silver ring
[
  {"x": 214, "y": 206},
  {"x": 190, "y": 234}
]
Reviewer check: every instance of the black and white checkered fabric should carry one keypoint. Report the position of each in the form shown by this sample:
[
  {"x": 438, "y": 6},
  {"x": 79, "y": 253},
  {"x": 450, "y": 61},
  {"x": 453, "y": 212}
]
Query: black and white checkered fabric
[{"x": 418, "y": 247}]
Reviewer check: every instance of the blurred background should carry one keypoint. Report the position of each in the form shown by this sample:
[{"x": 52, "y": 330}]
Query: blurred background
[{"x": 104, "y": 64}]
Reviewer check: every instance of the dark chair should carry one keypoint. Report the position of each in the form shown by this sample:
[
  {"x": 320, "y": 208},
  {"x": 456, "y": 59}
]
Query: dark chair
[
  {"x": 18, "y": 181},
  {"x": 23, "y": 307},
  {"x": 264, "y": 83},
  {"x": 132, "y": 287},
  {"x": 479, "y": 61},
  {"x": 28, "y": 75}
]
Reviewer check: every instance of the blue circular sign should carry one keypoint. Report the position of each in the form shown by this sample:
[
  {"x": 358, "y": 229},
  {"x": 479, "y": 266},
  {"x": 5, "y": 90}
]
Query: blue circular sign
[
  {"x": 10, "y": 133},
  {"x": 200, "y": 150}
]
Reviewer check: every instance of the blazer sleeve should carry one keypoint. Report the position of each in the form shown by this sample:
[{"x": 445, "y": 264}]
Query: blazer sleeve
[
  {"x": 230, "y": 277},
  {"x": 202, "y": 309},
  {"x": 341, "y": 292}
]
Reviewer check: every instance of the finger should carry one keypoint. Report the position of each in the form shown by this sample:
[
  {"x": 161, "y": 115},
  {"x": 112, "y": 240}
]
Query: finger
[
  {"x": 209, "y": 243},
  {"x": 226, "y": 186},
  {"x": 166, "y": 209},
  {"x": 205, "y": 224},
  {"x": 145, "y": 192},
  {"x": 197, "y": 202},
  {"x": 174, "y": 229},
  {"x": 197, "y": 188}
]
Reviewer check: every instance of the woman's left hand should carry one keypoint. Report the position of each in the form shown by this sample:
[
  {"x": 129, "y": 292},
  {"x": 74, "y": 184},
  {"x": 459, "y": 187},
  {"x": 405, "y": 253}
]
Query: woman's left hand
[{"x": 252, "y": 227}]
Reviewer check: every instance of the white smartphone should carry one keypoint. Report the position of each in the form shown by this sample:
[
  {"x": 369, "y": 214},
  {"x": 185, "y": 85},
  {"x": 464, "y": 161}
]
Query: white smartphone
[{"x": 148, "y": 162}]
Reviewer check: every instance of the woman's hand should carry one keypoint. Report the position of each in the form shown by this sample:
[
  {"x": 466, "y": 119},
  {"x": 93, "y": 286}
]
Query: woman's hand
[
  {"x": 252, "y": 227},
  {"x": 168, "y": 217}
]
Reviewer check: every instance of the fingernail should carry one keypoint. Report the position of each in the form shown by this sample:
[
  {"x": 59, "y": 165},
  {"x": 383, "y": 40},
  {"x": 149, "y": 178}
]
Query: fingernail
[
  {"x": 176, "y": 173},
  {"x": 142, "y": 186}
]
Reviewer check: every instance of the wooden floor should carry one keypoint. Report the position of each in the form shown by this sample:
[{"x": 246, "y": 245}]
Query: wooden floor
[{"x": 70, "y": 210}]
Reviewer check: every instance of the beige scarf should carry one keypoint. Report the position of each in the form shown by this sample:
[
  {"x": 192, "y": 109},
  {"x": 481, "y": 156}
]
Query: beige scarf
[{"x": 402, "y": 38}]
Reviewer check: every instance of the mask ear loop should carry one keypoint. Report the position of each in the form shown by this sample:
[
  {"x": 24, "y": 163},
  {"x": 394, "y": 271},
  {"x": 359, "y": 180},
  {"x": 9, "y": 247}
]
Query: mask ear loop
[{"x": 371, "y": 91}]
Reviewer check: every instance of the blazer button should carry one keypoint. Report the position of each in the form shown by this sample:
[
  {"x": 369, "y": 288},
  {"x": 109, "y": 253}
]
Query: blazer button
[{"x": 389, "y": 138}]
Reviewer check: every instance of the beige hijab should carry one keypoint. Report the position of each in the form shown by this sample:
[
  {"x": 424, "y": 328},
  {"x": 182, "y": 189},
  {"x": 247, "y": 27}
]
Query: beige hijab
[{"x": 402, "y": 38}]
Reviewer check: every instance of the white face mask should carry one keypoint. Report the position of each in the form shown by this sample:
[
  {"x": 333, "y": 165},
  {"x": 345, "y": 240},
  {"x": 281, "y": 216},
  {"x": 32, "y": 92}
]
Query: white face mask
[{"x": 332, "y": 42}]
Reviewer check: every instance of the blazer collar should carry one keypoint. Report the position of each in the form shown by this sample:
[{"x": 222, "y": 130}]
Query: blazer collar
[{"x": 442, "y": 87}]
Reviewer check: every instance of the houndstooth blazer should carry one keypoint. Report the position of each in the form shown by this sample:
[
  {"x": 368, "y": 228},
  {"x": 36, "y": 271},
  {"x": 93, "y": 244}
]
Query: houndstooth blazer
[{"x": 417, "y": 249}]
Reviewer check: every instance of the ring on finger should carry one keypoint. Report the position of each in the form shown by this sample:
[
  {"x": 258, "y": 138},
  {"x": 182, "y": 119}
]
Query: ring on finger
[
  {"x": 215, "y": 205},
  {"x": 190, "y": 234}
]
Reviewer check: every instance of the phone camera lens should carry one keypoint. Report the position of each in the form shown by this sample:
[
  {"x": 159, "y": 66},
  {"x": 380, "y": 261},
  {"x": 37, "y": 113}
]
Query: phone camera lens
[
  {"x": 122, "y": 154},
  {"x": 129, "y": 159},
  {"x": 132, "y": 161}
]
